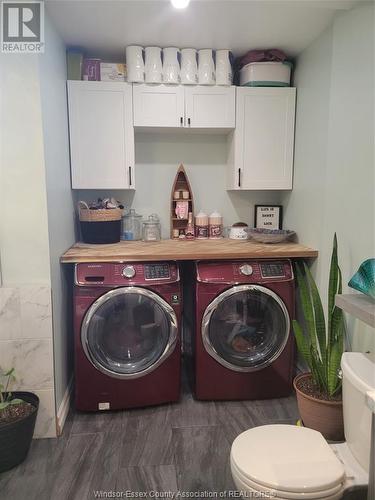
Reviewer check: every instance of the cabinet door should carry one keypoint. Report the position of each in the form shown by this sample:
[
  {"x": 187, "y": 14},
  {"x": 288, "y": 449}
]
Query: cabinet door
[
  {"x": 101, "y": 135},
  {"x": 158, "y": 105},
  {"x": 210, "y": 107},
  {"x": 264, "y": 138}
]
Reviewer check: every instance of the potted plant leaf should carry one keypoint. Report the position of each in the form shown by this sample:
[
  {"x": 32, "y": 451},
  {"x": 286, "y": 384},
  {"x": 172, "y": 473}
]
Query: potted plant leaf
[
  {"x": 321, "y": 346},
  {"x": 18, "y": 411}
]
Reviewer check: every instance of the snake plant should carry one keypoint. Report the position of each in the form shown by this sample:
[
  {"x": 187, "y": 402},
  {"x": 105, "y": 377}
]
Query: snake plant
[{"x": 320, "y": 344}]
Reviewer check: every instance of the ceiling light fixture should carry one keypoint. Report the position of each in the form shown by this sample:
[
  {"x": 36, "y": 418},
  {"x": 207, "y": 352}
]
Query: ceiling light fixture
[{"x": 180, "y": 4}]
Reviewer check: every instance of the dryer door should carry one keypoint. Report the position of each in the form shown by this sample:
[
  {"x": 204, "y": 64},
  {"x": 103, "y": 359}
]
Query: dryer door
[
  {"x": 128, "y": 332},
  {"x": 246, "y": 328}
]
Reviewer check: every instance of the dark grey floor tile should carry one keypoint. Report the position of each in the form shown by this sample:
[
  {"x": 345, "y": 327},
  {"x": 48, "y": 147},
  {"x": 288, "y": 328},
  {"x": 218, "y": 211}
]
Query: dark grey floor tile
[
  {"x": 236, "y": 417},
  {"x": 44, "y": 457},
  {"x": 94, "y": 422},
  {"x": 6, "y": 480},
  {"x": 202, "y": 459},
  {"x": 90, "y": 462},
  {"x": 100, "y": 469},
  {"x": 146, "y": 411},
  {"x": 276, "y": 409},
  {"x": 182, "y": 446},
  {"x": 146, "y": 439},
  {"x": 190, "y": 412},
  {"x": 69, "y": 478},
  {"x": 30, "y": 487},
  {"x": 147, "y": 479}
]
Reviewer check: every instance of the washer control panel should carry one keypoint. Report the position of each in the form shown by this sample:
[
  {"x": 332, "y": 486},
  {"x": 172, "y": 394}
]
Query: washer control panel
[
  {"x": 272, "y": 270},
  {"x": 126, "y": 273},
  {"x": 157, "y": 271}
]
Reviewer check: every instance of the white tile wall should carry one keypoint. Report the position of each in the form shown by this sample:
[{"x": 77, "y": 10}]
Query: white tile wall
[
  {"x": 32, "y": 360},
  {"x": 36, "y": 313},
  {"x": 10, "y": 320},
  {"x": 26, "y": 345}
]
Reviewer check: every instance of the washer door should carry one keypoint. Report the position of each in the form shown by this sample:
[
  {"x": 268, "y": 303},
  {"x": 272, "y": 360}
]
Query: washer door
[
  {"x": 128, "y": 332},
  {"x": 246, "y": 328}
]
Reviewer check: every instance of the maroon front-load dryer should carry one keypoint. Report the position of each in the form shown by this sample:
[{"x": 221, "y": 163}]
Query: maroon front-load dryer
[
  {"x": 244, "y": 348},
  {"x": 127, "y": 334}
]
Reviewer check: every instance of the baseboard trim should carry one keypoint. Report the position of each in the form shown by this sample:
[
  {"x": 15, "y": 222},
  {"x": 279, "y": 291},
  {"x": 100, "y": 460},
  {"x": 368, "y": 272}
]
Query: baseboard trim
[{"x": 63, "y": 410}]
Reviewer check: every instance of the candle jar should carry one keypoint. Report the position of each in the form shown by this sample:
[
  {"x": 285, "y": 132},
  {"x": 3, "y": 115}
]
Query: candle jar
[{"x": 152, "y": 228}]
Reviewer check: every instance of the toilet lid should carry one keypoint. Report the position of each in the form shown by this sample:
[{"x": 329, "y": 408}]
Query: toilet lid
[
  {"x": 287, "y": 458},
  {"x": 247, "y": 483}
]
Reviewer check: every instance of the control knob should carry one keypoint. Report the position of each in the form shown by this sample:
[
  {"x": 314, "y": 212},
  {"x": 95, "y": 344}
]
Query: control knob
[
  {"x": 246, "y": 269},
  {"x": 128, "y": 272}
]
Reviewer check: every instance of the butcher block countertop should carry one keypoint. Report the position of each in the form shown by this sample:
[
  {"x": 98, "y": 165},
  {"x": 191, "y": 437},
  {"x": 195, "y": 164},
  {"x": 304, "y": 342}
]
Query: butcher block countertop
[{"x": 183, "y": 250}]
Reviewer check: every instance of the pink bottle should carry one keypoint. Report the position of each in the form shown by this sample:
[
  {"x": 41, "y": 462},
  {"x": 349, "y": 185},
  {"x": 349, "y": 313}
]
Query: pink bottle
[{"x": 189, "y": 233}]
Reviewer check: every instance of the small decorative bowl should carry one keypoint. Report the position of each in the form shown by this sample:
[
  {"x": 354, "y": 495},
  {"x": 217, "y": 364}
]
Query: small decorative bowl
[
  {"x": 270, "y": 235},
  {"x": 364, "y": 278}
]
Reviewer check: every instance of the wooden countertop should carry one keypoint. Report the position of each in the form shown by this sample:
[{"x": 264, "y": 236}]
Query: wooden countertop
[{"x": 183, "y": 250}]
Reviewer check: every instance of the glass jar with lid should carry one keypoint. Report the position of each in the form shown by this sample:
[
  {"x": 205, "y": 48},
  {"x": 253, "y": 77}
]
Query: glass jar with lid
[
  {"x": 131, "y": 226},
  {"x": 152, "y": 228}
]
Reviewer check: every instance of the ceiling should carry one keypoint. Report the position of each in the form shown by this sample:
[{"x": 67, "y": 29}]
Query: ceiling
[{"x": 103, "y": 28}]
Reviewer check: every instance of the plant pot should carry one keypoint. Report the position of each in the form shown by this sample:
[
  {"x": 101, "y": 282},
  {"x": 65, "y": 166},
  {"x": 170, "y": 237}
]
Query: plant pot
[
  {"x": 15, "y": 437},
  {"x": 320, "y": 415}
]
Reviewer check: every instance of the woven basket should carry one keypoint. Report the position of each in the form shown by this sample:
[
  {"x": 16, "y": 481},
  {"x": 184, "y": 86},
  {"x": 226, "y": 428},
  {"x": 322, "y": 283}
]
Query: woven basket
[{"x": 100, "y": 215}]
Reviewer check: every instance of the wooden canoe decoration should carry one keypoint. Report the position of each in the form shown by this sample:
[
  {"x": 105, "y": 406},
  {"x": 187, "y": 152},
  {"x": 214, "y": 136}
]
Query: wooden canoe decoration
[{"x": 181, "y": 192}]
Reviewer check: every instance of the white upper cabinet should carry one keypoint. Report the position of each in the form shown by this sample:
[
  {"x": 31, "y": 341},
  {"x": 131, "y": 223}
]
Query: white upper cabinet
[
  {"x": 210, "y": 107},
  {"x": 101, "y": 135},
  {"x": 261, "y": 149},
  {"x": 158, "y": 105},
  {"x": 102, "y": 117},
  {"x": 180, "y": 106}
]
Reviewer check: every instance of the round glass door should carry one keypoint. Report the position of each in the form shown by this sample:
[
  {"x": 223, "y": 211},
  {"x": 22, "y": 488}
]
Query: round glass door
[
  {"x": 128, "y": 332},
  {"x": 246, "y": 328}
]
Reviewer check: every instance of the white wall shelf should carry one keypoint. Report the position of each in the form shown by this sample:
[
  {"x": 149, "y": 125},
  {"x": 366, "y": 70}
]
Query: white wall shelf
[{"x": 358, "y": 305}]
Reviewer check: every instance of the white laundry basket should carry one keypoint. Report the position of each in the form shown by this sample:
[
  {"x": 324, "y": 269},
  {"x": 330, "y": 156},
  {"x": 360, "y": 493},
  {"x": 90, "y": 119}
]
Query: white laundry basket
[{"x": 266, "y": 74}]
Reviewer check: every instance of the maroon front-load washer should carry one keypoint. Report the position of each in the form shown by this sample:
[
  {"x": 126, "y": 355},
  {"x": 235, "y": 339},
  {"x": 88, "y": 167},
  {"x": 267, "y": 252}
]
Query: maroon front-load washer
[
  {"x": 244, "y": 348},
  {"x": 127, "y": 334}
]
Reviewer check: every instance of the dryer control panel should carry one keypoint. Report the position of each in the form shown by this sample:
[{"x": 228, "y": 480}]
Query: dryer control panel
[
  {"x": 126, "y": 273},
  {"x": 272, "y": 270},
  {"x": 245, "y": 271}
]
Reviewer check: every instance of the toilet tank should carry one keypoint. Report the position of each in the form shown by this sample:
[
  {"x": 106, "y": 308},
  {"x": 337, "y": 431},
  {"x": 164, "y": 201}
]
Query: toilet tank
[{"x": 358, "y": 377}]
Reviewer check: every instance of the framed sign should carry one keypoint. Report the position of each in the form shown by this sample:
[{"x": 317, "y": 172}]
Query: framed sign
[{"x": 268, "y": 216}]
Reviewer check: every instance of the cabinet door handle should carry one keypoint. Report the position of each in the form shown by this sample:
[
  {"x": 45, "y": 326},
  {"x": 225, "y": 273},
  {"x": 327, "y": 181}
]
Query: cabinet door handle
[
  {"x": 181, "y": 121},
  {"x": 189, "y": 122},
  {"x": 239, "y": 177},
  {"x": 130, "y": 176}
]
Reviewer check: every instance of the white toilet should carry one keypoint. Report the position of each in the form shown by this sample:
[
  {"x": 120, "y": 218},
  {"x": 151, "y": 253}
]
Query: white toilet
[{"x": 289, "y": 462}]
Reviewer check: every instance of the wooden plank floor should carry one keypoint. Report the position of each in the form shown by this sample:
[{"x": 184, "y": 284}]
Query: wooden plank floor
[{"x": 176, "y": 447}]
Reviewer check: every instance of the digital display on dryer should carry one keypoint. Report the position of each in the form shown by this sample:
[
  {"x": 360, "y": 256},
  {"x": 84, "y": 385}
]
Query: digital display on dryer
[
  {"x": 157, "y": 271},
  {"x": 272, "y": 270}
]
